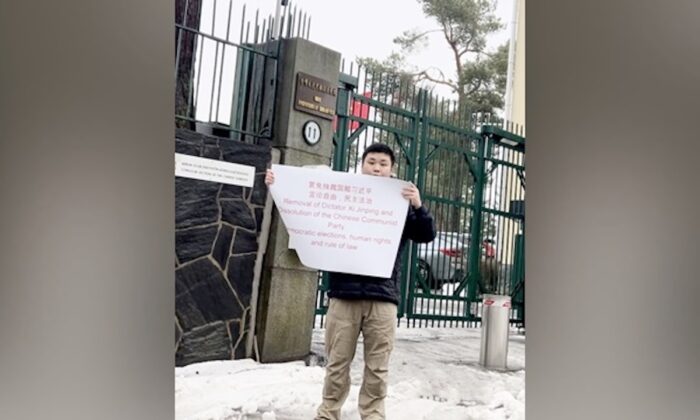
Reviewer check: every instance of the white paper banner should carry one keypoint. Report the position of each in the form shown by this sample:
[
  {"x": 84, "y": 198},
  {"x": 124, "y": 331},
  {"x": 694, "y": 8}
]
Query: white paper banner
[
  {"x": 349, "y": 223},
  {"x": 214, "y": 170}
]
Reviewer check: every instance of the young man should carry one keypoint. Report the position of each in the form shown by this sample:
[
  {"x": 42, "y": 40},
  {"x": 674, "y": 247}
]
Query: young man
[{"x": 367, "y": 305}]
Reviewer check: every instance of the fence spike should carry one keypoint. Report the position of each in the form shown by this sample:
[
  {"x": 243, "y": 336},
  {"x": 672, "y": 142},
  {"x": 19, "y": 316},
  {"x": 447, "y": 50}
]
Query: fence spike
[
  {"x": 263, "y": 33},
  {"x": 303, "y": 28},
  {"x": 240, "y": 40},
  {"x": 288, "y": 18},
  {"x": 257, "y": 25},
  {"x": 213, "y": 19},
  {"x": 228, "y": 20}
]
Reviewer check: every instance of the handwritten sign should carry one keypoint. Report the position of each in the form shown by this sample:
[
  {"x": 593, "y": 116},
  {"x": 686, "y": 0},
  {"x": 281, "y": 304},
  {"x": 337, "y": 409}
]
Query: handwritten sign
[
  {"x": 214, "y": 170},
  {"x": 341, "y": 222}
]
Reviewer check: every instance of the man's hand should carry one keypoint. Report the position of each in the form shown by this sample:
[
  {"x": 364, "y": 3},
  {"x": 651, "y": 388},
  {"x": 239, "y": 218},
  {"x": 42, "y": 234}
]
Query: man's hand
[
  {"x": 412, "y": 194},
  {"x": 269, "y": 177}
]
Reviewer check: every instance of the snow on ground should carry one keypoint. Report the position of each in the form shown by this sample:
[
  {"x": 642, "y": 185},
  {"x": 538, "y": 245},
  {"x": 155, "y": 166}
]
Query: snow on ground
[{"x": 433, "y": 374}]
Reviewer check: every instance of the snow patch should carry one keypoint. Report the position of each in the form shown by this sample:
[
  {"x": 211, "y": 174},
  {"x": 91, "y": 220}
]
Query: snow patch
[{"x": 433, "y": 374}]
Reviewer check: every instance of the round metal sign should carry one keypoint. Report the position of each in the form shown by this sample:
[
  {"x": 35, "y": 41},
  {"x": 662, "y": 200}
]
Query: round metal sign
[{"x": 312, "y": 132}]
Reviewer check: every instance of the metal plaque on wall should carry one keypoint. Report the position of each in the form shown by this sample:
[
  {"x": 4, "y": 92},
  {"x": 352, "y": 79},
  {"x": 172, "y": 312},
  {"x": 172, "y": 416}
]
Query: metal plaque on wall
[{"x": 315, "y": 96}]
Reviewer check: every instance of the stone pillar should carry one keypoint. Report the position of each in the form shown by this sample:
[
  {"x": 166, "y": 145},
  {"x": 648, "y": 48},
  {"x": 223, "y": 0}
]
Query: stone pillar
[{"x": 287, "y": 298}]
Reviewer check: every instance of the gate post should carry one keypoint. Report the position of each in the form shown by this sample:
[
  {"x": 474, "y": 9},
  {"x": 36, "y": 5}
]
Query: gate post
[
  {"x": 286, "y": 305},
  {"x": 418, "y": 172},
  {"x": 475, "y": 234},
  {"x": 340, "y": 151}
]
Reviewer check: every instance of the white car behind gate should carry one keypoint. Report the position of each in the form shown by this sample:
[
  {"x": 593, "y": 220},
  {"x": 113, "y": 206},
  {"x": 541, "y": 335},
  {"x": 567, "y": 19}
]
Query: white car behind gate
[{"x": 445, "y": 258}]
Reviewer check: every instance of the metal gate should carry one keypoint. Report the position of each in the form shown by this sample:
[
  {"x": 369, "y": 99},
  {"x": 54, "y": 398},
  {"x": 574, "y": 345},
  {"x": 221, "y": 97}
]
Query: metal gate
[
  {"x": 470, "y": 171},
  {"x": 226, "y": 69}
]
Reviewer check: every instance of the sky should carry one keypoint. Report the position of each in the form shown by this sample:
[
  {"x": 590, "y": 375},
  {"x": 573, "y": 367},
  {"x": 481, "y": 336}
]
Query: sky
[
  {"x": 433, "y": 374},
  {"x": 357, "y": 28},
  {"x": 367, "y": 28}
]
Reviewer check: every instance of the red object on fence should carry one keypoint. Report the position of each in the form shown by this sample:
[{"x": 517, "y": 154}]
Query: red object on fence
[{"x": 359, "y": 109}]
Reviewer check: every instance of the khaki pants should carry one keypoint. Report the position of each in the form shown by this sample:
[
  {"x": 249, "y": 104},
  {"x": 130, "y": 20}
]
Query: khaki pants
[{"x": 345, "y": 320}]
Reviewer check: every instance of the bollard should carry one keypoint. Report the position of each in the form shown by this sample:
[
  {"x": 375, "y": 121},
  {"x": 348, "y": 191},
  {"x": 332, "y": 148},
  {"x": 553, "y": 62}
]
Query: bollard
[{"x": 495, "y": 314}]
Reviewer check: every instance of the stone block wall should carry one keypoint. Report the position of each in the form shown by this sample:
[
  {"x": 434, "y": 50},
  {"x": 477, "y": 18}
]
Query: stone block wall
[{"x": 216, "y": 241}]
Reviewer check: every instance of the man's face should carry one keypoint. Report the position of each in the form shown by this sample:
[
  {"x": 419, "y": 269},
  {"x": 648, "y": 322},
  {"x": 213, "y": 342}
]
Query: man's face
[{"x": 377, "y": 164}]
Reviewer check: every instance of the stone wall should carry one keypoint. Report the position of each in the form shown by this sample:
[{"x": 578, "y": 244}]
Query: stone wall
[{"x": 216, "y": 241}]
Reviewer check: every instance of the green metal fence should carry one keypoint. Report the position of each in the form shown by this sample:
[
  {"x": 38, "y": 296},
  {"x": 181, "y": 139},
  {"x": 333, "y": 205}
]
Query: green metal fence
[{"x": 471, "y": 174}]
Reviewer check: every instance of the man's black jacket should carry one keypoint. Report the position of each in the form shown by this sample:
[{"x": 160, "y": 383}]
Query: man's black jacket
[{"x": 418, "y": 228}]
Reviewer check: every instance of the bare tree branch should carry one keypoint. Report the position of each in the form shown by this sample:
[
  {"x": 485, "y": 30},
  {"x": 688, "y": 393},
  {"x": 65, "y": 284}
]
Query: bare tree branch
[
  {"x": 414, "y": 37},
  {"x": 423, "y": 75},
  {"x": 467, "y": 46},
  {"x": 475, "y": 89},
  {"x": 458, "y": 57}
]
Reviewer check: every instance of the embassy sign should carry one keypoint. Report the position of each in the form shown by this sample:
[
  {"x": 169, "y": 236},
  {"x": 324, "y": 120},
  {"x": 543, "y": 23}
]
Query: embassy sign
[{"x": 315, "y": 96}]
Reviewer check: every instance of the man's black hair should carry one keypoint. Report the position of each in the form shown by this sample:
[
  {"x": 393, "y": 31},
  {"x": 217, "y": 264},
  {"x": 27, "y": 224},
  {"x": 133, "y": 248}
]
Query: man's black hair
[{"x": 379, "y": 148}]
